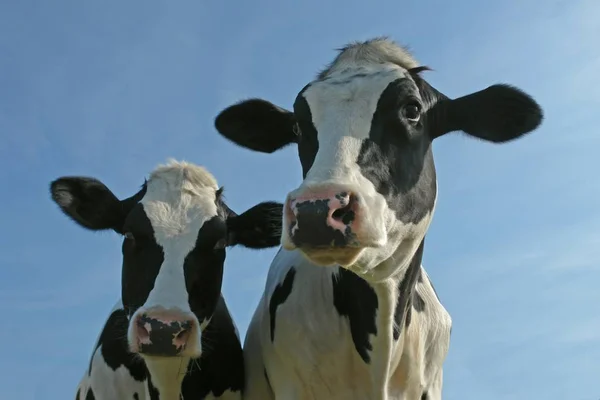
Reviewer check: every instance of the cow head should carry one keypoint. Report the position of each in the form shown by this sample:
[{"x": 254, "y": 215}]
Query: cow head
[
  {"x": 175, "y": 230},
  {"x": 364, "y": 129}
]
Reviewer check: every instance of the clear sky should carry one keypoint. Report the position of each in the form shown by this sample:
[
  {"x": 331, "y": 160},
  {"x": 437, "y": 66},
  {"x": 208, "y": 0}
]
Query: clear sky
[{"x": 111, "y": 89}]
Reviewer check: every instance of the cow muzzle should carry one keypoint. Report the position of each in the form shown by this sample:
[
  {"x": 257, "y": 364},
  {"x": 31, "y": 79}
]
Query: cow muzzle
[
  {"x": 163, "y": 333},
  {"x": 327, "y": 224}
]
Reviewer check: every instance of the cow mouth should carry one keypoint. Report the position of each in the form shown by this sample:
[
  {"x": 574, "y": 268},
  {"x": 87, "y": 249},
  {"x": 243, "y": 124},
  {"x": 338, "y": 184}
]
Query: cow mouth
[{"x": 331, "y": 256}]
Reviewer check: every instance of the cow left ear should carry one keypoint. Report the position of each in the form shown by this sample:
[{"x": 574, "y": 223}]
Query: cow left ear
[
  {"x": 258, "y": 227},
  {"x": 497, "y": 114},
  {"x": 258, "y": 125},
  {"x": 91, "y": 204}
]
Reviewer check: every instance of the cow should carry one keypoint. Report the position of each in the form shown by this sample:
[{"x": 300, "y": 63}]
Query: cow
[
  {"x": 170, "y": 334},
  {"x": 348, "y": 311}
]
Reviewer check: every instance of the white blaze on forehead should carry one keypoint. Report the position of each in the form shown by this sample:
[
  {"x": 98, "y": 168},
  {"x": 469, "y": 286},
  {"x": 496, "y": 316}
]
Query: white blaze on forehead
[
  {"x": 180, "y": 198},
  {"x": 342, "y": 109},
  {"x": 178, "y": 195}
]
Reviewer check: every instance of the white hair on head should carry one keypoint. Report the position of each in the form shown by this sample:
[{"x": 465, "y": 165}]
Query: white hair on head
[
  {"x": 184, "y": 176},
  {"x": 180, "y": 197},
  {"x": 379, "y": 50}
]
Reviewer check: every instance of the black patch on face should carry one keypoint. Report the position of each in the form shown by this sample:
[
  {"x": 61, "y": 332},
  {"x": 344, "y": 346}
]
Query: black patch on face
[
  {"x": 90, "y": 395},
  {"x": 308, "y": 142},
  {"x": 424, "y": 396},
  {"x": 355, "y": 299},
  {"x": 406, "y": 293},
  {"x": 312, "y": 228},
  {"x": 162, "y": 336},
  {"x": 136, "y": 396},
  {"x": 115, "y": 353},
  {"x": 397, "y": 156},
  {"x": 221, "y": 366},
  {"x": 279, "y": 296},
  {"x": 142, "y": 259},
  {"x": 203, "y": 269}
]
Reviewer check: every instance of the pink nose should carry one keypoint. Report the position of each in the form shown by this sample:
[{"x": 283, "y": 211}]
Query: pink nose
[
  {"x": 322, "y": 218},
  {"x": 161, "y": 335}
]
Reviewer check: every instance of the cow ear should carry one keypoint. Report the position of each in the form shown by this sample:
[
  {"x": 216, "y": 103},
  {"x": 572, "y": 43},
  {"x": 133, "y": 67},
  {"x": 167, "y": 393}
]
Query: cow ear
[
  {"x": 89, "y": 203},
  {"x": 257, "y": 125},
  {"x": 258, "y": 227},
  {"x": 497, "y": 114}
]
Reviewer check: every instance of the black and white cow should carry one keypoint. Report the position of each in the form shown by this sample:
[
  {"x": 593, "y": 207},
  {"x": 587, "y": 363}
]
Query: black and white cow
[
  {"x": 172, "y": 334},
  {"x": 369, "y": 326}
]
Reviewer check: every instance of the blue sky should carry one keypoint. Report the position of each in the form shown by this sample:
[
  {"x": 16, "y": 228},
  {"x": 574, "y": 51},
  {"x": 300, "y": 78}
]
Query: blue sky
[{"x": 110, "y": 90}]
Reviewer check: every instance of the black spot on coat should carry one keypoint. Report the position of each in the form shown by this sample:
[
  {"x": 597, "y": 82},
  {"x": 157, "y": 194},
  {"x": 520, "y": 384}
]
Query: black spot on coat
[
  {"x": 355, "y": 299},
  {"x": 407, "y": 293},
  {"x": 115, "y": 348},
  {"x": 154, "y": 395},
  {"x": 397, "y": 157},
  {"x": 221, "y": 366},
  {"x": 279, "y": 296}
]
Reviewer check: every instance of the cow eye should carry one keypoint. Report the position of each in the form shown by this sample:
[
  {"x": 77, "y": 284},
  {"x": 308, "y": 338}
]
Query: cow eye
[
  {"x": 221, "y": 244},
  {"x": 129, "y": 236},
  {"x": 412, "y": 112}
]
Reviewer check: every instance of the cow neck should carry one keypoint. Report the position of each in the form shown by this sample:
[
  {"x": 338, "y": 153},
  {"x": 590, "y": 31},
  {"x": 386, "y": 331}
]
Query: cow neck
[
  {"x": 167, "y": 375},
  {"x": 393, "y": 295}
]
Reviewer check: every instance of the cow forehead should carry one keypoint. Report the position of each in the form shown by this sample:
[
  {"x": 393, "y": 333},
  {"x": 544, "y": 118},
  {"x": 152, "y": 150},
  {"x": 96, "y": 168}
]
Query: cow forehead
[
  {"x": 179, "y": 200},
  {"x": 353, "y": 91},
  {"x": 178, "y": 220}
]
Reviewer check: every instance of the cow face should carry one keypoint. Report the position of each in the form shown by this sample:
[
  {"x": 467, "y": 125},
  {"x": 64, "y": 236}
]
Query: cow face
[
  {"x": 364, "y": 130},
  {"x": 176, "y": 230}
]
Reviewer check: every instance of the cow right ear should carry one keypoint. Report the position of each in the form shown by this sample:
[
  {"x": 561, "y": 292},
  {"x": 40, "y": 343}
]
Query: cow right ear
[
  {"x": 257, "y": 125},
  {"x": 92, "y": 205},
  {"x": 256, "y": 228}
]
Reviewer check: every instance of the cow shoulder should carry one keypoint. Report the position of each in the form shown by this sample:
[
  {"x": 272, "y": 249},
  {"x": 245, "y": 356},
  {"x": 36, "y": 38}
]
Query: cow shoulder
[{"x": 219, "y": 373}]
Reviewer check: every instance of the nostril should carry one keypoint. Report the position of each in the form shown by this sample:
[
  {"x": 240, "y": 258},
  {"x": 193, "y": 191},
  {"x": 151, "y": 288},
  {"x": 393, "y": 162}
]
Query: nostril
[
  {"x": 183, "y": 336},
  {"x": 344, "y": 214}
]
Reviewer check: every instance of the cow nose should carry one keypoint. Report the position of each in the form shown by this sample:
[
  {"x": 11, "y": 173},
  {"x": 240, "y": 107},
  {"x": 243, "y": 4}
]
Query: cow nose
[
  {"x": 160, "y": 335},
  {"x": 322, "y": 218}
]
